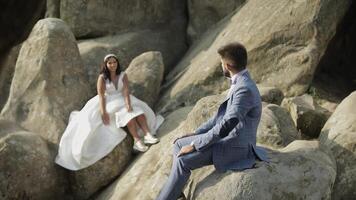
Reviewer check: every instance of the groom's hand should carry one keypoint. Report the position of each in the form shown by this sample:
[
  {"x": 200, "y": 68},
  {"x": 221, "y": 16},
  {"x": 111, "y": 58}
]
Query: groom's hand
[
  {"x": 185, "y": 150},
  {"x": 183, "y": 136}
]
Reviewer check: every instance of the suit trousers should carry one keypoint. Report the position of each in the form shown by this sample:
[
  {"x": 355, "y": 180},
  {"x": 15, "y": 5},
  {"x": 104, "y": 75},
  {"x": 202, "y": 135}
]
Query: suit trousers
[{"x": 182, "y": 166}]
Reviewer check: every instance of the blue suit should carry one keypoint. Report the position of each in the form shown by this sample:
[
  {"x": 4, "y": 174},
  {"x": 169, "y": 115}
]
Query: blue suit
[{"x": 227, "y": 140}]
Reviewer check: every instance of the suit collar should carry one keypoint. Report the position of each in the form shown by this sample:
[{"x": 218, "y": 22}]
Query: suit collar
[
  {"x": 235, "y": 77},
  {"x": 239, "y": 77}
]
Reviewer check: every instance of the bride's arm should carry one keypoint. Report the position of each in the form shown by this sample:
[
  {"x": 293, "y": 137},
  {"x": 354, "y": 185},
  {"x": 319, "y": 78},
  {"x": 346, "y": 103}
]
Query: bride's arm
[
  {"x": 100, "y": 86},
  {"x": 126, "y": 92}
]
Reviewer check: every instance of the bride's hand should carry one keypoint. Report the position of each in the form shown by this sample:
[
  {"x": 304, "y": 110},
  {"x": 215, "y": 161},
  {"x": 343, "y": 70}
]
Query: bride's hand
[
  {"x": 129, "y": 108},
  {"x": 105, "y": 117}
]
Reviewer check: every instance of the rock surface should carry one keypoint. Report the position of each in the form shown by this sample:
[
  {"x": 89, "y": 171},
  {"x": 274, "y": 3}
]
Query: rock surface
[
  {"x": 49, "y": 81},
  {"x": 284, "y": 39},
  {"x": 271, "y": 94},
  {"x": 99, "y": 18},
  {"x": 276, "y": 128},
  {"x": 27, "y": 168},
  {"x": 307, "y": 115},
  {"x": 53, "y": 7},
  {"x": 289, "y": 43},
  {"x": 299, "y": 171},
  {"x": 145, "y": 74},
  {"x": 338, "y": 137},
  {"x": 84, "y": 183},
  {"x": 205, "y": 14},
  {"x": 129, "y": 45}
]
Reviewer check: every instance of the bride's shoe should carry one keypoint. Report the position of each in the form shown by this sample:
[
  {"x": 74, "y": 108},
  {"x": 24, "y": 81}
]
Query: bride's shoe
[
  {"x": 140, "y": 146},
  {"x": 150, "y": 139}
]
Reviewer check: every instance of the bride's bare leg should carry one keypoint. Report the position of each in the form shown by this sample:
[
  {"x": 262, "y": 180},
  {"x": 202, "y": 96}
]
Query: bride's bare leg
[
  {"x": 132, "y": 126},
  {"x": 142, "y": 121}
]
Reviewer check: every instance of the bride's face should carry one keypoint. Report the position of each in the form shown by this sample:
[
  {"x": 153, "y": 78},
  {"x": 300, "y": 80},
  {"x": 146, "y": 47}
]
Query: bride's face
[{"x": 111, "y": 64}]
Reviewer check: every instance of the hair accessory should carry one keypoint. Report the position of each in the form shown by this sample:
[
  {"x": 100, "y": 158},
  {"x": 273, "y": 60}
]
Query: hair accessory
[{"x": 109, "y": 55}]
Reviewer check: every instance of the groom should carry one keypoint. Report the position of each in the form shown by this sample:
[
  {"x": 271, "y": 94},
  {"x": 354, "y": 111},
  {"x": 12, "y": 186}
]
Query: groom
[{"x": 228, "y": 139}]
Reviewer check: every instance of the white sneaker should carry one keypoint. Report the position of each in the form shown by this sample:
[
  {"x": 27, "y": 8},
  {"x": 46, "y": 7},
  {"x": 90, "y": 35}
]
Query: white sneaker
[
  {"x": 140, "y": 146},
  {"x": 150, "y": 139}
]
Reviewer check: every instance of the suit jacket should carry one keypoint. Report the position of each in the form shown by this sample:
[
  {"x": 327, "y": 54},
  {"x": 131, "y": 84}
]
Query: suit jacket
[{"x": 231, "y": 132}]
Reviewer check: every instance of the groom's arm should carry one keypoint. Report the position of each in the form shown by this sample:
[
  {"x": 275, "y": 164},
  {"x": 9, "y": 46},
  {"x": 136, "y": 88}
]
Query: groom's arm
[
  {"x": 237, "y": 111},
  {"x": 205, "y": 127}
]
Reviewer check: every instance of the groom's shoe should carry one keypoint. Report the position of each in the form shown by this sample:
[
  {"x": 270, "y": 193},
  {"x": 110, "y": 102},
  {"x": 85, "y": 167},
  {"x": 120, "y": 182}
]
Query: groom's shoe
[
  {"x": 150, "y": 139},
  {"x": 140, "y": 146}
]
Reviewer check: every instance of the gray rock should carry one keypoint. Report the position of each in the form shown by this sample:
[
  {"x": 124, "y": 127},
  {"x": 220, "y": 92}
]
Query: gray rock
[
  {"x": 129, "y": 45},
  {"x": 145, "y": 74},
  {"x": 202, "y": 111},
  {"x": 271, "y": 94},
  {"x": 205, "y": 14},
  {"x": 307, "y": 115},
  {"x": 53, "y": 7},
  {"x": 99, "y": 18},
  {"x": 84, "y": 183},
  {"x": 49, "y": 81},
  {"x": 338, "y": 138},
  {"x": 27, "y": 168},
  {"x": 276, "y": 128},
  {"x": 299, "y": 171},
  {"x": 284, "y": 39}
]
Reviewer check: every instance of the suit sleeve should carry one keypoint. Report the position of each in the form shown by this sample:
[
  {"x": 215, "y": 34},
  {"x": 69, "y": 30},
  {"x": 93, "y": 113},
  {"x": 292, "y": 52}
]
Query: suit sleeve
[
  {"x": 205, "y": 127},
  {"x": 236, "y": 113}
]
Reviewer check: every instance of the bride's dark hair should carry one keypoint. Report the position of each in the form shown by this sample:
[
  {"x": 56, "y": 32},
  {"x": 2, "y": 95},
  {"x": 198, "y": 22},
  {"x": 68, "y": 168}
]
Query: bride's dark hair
[{"x": 104, "y": 69}]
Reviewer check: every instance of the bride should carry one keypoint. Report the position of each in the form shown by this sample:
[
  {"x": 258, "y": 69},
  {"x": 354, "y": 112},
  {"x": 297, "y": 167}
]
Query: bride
[{"x": 94, "y": 131}]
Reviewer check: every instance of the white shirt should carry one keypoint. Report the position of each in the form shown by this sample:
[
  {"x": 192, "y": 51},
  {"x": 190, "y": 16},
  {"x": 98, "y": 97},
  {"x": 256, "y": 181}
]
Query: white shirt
[{"x": 234, "y": 79}]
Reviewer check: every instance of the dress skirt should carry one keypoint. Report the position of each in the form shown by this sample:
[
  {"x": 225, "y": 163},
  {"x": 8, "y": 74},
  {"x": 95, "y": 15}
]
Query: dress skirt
[{"x": 86, "y": 139}]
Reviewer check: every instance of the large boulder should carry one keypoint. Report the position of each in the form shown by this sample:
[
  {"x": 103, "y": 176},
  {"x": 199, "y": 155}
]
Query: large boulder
[
  {"x": 139, "y": 179},
  {"x": 285, "y": 41},
  {"x": 84, "y": 183},
  {"x": 271, "y": 94},
  {"x": 53, "y": 7},
  {"x": 307, "y": 115},
  {"x": 7, "y": 68},
  {"x": 276, "y": 128},
  {"x": 98, "y": 18},
  {"x": 205, "y": 14},
  {"x": 27, "y": 168},
  {"x": 338, "y": 137},
  {"x": 145, "y": 74},
  {"x": 129, "y": 45},
  {"x": 299, "y": 171},
  {"x": 49, "y": 81},
  {"x": 188, "y": 87}
]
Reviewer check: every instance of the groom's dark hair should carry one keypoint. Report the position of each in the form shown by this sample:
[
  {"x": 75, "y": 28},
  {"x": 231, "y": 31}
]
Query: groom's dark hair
[{"x": 236, "y": 53}]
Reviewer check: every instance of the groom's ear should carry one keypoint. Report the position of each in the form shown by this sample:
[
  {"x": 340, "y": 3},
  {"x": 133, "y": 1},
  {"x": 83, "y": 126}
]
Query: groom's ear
[{"x": 229, "y": 66}]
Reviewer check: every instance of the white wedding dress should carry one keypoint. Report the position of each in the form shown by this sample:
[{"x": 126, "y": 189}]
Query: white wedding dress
[{"x": 87, "y": 140}]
